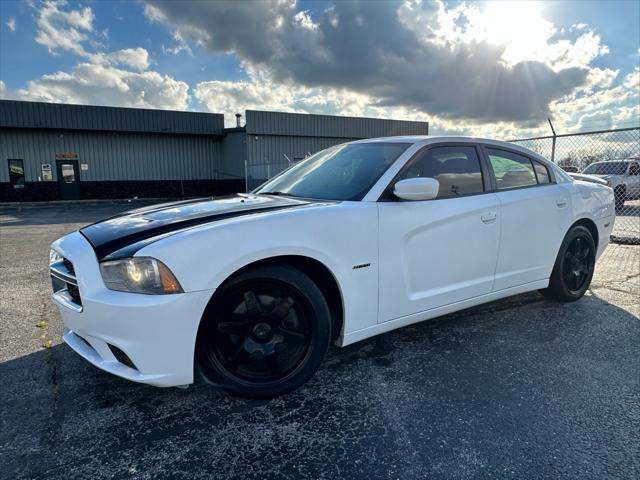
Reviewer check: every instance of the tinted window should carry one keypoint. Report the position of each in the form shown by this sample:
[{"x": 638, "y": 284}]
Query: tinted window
[
  {"x": 511, "y": 170},
  {"x": 344, "y": 172},
  {"x": 541, "y": 172},
  {"x": 634, "y": 169},
  {"x": 456, "y": 168},
  {"x": 16, "y": 173}
]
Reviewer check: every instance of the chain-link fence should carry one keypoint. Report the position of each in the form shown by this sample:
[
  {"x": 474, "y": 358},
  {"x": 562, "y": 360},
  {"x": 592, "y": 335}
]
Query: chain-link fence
[
  {"x": 258, "y": 173},
  {"x": 613, "y": 156},
  {"x": 255, "y": 174}
]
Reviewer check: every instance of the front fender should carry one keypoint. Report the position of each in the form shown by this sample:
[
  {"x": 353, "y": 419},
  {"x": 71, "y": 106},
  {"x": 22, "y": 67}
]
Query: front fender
[{"x": 340, "y": 236}]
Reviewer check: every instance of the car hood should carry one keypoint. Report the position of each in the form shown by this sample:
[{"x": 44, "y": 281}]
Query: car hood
[{"x": 122, "y": 235}]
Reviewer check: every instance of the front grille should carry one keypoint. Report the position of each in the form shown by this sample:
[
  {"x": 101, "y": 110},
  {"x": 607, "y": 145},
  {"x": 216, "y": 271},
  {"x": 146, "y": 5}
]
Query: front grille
[
  {"x": 69, "y": 266},
  {"x": 74, "y": 292},
  {"x": 63, "y": 277}
]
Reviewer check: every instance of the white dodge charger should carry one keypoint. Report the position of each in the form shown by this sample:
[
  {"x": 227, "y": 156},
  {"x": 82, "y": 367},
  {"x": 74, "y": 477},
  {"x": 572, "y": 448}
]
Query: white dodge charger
[{"x": 249, "y": 290}]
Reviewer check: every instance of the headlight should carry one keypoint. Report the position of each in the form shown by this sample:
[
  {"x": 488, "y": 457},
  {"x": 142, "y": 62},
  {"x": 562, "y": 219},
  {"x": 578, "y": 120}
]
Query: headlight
[
  {"x": 54, "y": 257},
  {"x": 139, "y": 275}
]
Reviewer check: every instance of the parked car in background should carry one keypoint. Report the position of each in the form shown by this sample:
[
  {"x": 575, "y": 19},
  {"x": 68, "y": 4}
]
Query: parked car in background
[
  {"x": 621, "y": 175},
  {"x": 569, "y": 168},
  {"x": 359, "y": 239}
]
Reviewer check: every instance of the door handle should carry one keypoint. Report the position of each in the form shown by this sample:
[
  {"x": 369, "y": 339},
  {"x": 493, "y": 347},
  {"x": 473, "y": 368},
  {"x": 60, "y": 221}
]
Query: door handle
[
  {"x": 561, "y": 203},
  {"x": 489, "y": 217}
]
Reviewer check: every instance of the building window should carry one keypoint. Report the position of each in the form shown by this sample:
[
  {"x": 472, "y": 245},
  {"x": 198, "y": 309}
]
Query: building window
[{"x": 16, "y": 172}]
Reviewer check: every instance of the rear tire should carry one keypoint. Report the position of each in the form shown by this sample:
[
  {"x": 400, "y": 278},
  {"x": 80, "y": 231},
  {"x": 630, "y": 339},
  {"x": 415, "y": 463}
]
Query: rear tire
[
  {"x": 573, "y": 270},
  {"x": 265, "y": 334}
]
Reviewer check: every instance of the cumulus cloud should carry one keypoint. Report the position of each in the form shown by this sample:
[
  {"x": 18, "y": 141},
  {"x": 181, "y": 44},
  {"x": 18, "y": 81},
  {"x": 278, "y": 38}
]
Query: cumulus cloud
[
  {"x": 106, "y": 85},
  {"x": 11, "y": 24},
  {"x": 603, "y": 120},
  {"x": 117, "y": 78},
  {"x": 63, "y": 30},
  {"x": 260, "y": 92},
  {"x": 136, "y": 58},
  {"x": 403, "y": 54},
  {"x": 412, "y": 59},
  {"x": 71, "y": 30}
]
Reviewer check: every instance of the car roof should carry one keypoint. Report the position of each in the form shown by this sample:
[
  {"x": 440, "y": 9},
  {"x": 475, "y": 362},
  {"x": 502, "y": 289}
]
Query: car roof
[{"x": 426, "y": 140}]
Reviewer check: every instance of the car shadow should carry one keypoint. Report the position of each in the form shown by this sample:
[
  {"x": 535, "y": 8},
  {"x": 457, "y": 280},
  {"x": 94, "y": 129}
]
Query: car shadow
[{"x": 493, "y": 387}]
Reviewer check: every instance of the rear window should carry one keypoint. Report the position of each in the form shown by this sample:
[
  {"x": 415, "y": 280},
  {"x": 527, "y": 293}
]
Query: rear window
[
  {"x": 541, "y": 172},
  {"x": 511, "y": 170}
]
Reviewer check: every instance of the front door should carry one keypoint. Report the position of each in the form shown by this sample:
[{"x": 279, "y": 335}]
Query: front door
[
  {"x": 68, "y": 179},
  {"x": 442, "y": 251}
]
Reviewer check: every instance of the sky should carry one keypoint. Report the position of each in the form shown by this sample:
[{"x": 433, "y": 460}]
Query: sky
[{"x": 490, "y": 68}]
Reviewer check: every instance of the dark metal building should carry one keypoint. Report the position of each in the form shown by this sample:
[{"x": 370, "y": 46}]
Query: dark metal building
[{"x": 56, "y": 151}]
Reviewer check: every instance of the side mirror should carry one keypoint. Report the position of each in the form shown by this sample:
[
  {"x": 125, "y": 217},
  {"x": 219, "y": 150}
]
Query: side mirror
[{"x": 419, "y": 188}]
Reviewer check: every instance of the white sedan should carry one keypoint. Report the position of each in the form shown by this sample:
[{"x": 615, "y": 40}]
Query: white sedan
[{"x": 249, "y": 290}]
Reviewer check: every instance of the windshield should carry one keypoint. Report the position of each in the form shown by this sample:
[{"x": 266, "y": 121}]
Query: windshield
[
  {"x": 343, "y": 172},
  {"x": 606, "y": 168}
]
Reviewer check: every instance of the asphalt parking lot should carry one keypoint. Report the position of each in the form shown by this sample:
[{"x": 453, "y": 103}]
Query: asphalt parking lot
[{"x": 521, "y": 388}]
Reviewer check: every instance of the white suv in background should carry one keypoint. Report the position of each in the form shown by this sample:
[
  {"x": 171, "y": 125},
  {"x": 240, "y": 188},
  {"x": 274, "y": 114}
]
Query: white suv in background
[{"x": 621, "y": 175}]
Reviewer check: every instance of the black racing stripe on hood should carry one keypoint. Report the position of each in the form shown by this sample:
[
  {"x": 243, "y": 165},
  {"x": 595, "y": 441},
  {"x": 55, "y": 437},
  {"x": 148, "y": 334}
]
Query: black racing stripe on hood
[{"x": 123, "y": 235}]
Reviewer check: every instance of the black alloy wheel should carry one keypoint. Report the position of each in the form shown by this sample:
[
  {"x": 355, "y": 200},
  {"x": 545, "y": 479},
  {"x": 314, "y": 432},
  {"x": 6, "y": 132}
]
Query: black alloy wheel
[
  {"x": 265, "y": 334},
  {"x": 574, "y": 266}
]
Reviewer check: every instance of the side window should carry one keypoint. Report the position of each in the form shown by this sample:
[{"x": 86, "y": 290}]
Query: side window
[
  {"x": 541, "y": 172},
  {"x": 634, "y": 169},
  {"x": 16, "y": 172},
  {"x": 456, "y": 168},
  {"x": 511, "y": 170}
]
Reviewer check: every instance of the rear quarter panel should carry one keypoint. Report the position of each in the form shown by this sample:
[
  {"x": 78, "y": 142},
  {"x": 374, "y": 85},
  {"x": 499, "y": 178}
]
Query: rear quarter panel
[{"x": 595, "y": 202}]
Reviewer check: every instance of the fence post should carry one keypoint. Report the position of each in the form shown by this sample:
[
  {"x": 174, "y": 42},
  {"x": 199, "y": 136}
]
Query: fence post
[
  {"x": 246, "y": 177},
  {"x": 553, "y": 142}
]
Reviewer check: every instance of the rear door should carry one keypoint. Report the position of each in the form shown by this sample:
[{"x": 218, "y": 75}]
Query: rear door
[
  {"x": 441, "y": 251},
  {"x": 535, "y": 216}
]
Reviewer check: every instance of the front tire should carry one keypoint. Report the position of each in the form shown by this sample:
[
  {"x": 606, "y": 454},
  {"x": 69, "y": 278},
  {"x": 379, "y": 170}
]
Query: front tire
[
  {"x": 573, "y": 270},
  {"x": 265, "y": 334}
]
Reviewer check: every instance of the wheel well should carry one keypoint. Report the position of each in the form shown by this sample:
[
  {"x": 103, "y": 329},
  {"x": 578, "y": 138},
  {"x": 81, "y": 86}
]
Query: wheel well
[
  {"x": 320, "y": 275},
  {"x": 591, "y": 226}
]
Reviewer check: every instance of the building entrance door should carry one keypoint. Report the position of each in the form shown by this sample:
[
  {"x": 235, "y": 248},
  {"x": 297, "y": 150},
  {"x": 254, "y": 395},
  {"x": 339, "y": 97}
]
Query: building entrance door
[{"x": 68, "y": 179}]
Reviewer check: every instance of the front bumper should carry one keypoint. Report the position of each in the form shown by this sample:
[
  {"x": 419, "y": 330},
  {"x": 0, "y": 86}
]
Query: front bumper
[{"x": 156, "y": 333}]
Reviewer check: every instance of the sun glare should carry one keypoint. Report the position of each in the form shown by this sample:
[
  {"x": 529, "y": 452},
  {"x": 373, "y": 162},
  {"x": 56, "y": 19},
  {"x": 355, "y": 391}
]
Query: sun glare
[{"x": 518, "y": 25}]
